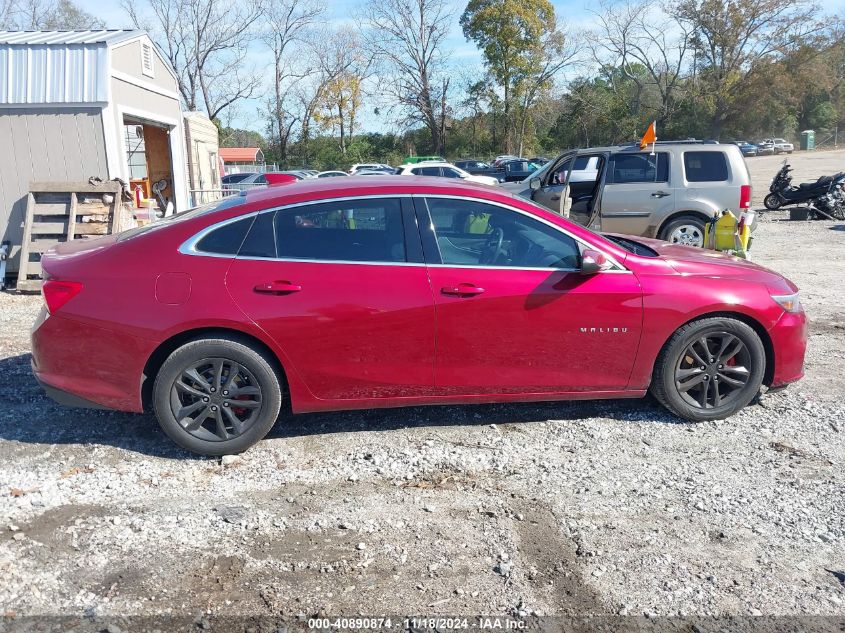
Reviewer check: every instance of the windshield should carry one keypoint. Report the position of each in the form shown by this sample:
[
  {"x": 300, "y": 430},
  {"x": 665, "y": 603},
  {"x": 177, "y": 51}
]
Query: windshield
[{"x": 217, "y": 205}]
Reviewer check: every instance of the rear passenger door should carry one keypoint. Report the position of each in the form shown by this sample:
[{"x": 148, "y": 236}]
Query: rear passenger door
[
  {"x": 637, "y": 192},
  {"x": 341, "y": 288}
]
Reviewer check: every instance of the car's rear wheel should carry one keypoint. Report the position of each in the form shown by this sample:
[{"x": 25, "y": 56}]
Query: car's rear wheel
[
  {"x": 709, "y": 369},
  {"x": 687, "y": 230},
  {"x": 217, "y": 396}
]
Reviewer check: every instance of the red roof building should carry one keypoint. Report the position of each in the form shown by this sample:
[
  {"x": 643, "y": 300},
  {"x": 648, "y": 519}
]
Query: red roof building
[{"x": 242, "y": 155}]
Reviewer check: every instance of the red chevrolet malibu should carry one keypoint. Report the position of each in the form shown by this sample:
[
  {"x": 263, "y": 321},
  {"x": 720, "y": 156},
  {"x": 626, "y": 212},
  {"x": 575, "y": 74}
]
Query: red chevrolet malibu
[{"x": 386, "y": 292}]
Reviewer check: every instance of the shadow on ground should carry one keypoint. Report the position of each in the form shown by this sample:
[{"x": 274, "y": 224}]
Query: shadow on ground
[{"x": 30, "y": 417}]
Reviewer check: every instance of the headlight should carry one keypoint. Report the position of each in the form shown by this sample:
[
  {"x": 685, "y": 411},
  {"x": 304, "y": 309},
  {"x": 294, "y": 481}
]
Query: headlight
[{"x": 790, "y": 303}]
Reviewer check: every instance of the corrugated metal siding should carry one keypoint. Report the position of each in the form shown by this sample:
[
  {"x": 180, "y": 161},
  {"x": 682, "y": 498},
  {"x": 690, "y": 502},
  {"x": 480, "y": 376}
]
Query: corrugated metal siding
[
  {"x": 42, "y": 73},
  {"x": 45, "y": 144},
  {"x": 102, "y": 36}
]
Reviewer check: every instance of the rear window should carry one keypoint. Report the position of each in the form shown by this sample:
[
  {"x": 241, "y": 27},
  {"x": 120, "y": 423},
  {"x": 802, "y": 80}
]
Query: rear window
[
  {"x": 227, "y": 239},
  {"x": 211, "y": 207},
  {"x": 705, "y": 166},
  {"x": 633, "y": 168},
  {"x": 354, "y": 230}
]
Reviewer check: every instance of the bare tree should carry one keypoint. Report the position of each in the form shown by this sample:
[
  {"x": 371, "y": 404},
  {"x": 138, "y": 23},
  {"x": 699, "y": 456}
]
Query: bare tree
[
  {"x": 205, "y": 42},
  {"x": 341, "y": 66},
  {"x": 45, "y": 15},
  {"x": 633, "y": 38},
  {"x": 407, "y": 37},
  {"x": 285, "y": 25}
]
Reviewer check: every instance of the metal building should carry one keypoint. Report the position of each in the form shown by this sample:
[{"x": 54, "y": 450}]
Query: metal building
[{"x": 76, "y": 104}]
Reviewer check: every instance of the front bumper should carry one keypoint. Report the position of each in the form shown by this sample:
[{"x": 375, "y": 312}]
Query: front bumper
[
  {"x": 789, "y": 340},
  {"x": 84, "y": 365}
]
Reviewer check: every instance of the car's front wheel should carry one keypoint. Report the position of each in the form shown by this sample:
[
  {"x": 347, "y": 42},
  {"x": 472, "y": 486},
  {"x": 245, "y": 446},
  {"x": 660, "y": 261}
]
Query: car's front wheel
[
  {"x": 217, "y": 396},
  {"x": 709, "y": 369}
]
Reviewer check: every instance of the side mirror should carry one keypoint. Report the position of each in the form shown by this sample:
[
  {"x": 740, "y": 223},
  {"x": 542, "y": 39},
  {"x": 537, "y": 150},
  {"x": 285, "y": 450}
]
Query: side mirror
[
  {"x": 534, "y": 183},
  {"x": 593, "y": 262}
]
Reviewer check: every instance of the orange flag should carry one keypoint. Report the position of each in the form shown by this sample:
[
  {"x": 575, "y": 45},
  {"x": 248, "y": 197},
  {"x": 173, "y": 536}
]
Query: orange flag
[{"x": 650, "y": 135}]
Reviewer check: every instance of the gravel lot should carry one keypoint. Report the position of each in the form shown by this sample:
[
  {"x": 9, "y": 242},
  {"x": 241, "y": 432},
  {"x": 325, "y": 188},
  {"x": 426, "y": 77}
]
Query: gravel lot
[{"x": 569, "y": 509}]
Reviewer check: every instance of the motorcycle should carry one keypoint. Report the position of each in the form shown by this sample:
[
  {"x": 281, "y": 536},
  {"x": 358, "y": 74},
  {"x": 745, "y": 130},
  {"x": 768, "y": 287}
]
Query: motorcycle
[{"x": 825, "y": 196}]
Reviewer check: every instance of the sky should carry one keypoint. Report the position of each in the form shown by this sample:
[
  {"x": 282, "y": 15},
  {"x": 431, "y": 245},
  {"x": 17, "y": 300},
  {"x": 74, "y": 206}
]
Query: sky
[
  {"x": 464, "y": 55},
  {"x": 574, "y": 15}
]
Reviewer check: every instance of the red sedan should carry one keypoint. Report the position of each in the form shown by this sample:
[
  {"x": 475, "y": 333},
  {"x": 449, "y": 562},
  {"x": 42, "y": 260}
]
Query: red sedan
[{"x": 386, "y": 292}]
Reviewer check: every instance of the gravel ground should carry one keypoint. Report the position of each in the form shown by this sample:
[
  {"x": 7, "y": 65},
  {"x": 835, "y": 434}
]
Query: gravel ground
[{"x": 568, "y": 509}]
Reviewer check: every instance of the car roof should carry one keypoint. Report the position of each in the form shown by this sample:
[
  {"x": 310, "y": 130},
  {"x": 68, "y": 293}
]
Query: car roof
[{"x": 328, "y": 188}]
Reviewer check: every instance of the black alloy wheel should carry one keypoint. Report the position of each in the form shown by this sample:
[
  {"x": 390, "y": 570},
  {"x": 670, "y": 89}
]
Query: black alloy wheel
[
  {"x": 216, "y": 399},
  {"x": 713, "y": 370},
  {"x": 709, "y": 369},
  {"x": 218, "y": 396}
]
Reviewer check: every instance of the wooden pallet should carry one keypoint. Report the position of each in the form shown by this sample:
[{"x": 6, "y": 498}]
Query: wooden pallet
[{"x": 59, "y": 212}]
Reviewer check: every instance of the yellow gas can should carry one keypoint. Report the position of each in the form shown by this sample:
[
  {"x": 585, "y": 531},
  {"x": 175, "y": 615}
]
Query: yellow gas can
[{"x": 726, "y": 232}]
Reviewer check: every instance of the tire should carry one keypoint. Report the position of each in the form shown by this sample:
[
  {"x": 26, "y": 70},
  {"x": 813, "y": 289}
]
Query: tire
[
  {"x": 772, "y": 202},
  {"x": 678, "y": 367},
  {"x": 212, "y": 365},
  {"x": 685, "y": 229}
]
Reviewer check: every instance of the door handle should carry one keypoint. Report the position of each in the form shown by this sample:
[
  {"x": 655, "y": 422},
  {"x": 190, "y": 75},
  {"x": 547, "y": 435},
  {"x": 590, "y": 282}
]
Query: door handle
[
  {"x": 462, "y": 290},
  {"x": 277, "y": 288},
  {"x": 660, "y": 194},
  {"x": 555, "y": 198}
]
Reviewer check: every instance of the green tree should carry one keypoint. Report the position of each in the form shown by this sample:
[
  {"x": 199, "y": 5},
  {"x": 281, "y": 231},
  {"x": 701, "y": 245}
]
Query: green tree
[{"x": 523, "y": 49}]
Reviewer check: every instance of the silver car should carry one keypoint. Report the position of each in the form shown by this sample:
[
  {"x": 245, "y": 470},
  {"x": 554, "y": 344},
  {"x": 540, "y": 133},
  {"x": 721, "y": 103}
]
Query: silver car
[{"x": 669, "y": 193}]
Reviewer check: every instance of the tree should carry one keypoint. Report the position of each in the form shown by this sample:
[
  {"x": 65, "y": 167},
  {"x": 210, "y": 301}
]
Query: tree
[
  {"x": 62, "y": 15},
  {"x": 285, "y": 26},
  {"x": 731, "y": 37},
  {"x": 206, "y": 43},
  {"x": 523, "y": 50},
  {"x": 633, "y": 38},
  {"x": 407, "y": 38},
  {"x": 342, "y": 66}
]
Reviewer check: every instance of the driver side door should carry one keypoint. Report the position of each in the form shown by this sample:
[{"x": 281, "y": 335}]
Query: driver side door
[{"x": 514, "y": 314}]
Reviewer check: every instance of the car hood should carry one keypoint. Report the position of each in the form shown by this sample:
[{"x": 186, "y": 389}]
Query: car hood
[{"x": 694, "y": 261}]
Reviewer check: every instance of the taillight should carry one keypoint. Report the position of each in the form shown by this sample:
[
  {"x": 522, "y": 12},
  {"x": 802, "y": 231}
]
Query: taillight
[
  {"x": 58, "y": 293},
  {"x": 745, "y": 197}
]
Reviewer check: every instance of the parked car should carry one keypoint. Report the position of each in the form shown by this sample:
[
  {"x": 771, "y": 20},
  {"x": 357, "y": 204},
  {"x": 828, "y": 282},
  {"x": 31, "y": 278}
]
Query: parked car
[
  {"x": 231, "y": 179},
  {"x": 780, "y": 145},
  {"x": 388, "y": 171},
  {"x": 539, "y": 160},
  {"x": 323, "y": 295},
  {"x": 512, "y": 170},
  {"x": 765, "y": 148},
  {"x": 670, "y": 194},
  {"x": 444, "y": 170},
  {"x": 331, "y": 174},
  {"x": 516, "y": 170},
  {"x": 371, "y": 166},
  {"x": 501, "y": 159},
  {"x": 747, "y": 149},
  {"x": 471, "y": 165}
]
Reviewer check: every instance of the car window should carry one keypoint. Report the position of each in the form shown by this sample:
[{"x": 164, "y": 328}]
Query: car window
[
  {"x": 356, "y": 230},
  {"x": 633, "y": 168},
  {"x": 705, "y": 166},
  {"x": 227, "y": 239},
  {"x": 471, "y": 233},
  {"x": 426, "y": 171},
  {"x": 261, "y": 239},
  {"x": 448, "y": 172},
  {"x": 189, "y": 214}
]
